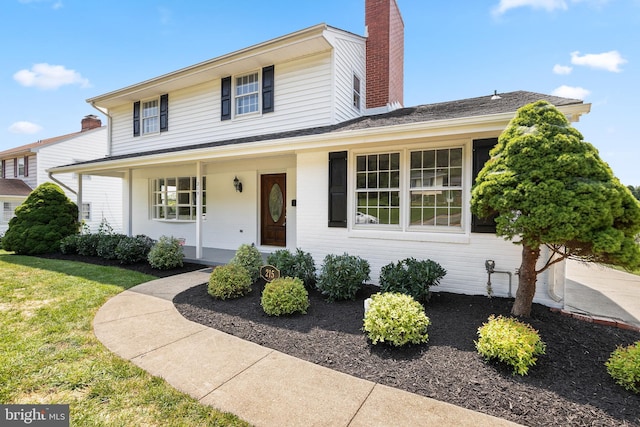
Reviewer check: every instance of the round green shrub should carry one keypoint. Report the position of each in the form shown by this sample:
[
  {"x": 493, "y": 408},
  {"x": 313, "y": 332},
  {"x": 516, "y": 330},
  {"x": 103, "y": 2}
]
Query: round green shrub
[
  {"x": 88, "y": 244},
  {"x": 624, "y": 367},
  {"x": 107, "y": 244},
  {"x": 341, "y": 276},
  {"x": 229, "y": 281},
  {"x": 286, "y": 295},
  {"x": 166, "y": 254},
  {"x": 249, "y": 257},
  {"x": 45, "y": 218},
  {"x": 133, "y": 249},
  {"x": 69, "y": 245},
  {"x": 300, "y": 265},
  {"x": 510, "y": 341},
  {"x": 397, "y": 319},
  {"x": 412, "y": 277}
]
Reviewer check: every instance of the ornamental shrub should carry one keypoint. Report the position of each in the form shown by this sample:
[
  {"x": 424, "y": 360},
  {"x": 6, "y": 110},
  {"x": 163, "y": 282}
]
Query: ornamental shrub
[
  {"x": 341, "y": 276},
  {"x": 397, "y": 319},
  {"x": 88, "y": 244},
  {"x": 166, "y": 254},
  {"x": 624, "y": 367},
  {"x": 510, "y": 341},
  {"x": 107, "y": 244},
  {"x": 69, "y": 245},
  {"x": 229, "y": 281},
  {"x": 411, "y": 277},
  {"x": 133, "y": 249},
  {"x": 286, "y": 295},
  {"x": 249, "y": 257},
  {"x": 300, "y": 265},
  {"x": 41, "y": 222}
]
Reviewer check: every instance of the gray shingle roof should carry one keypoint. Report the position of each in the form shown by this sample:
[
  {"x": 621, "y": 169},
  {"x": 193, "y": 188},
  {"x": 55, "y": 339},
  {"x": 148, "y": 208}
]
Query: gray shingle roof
[
  {"x": 463, "y": 108},
  {"x": 14, "y": 187}
]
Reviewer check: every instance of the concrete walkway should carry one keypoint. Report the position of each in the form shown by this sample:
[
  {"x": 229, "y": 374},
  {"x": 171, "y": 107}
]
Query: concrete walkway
[
  {"x": 602, "y": 292},
  {"x": 260, "y": 385}
]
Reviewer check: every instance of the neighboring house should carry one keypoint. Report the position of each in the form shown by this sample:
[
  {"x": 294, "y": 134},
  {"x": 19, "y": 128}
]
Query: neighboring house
[
  {"x": 302, "y": 141},
  {"x": 25, "y": 167}
]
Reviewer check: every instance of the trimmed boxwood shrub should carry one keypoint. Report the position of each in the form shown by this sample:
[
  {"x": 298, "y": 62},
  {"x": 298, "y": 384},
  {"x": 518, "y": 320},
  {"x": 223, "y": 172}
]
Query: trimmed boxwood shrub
[
  {"x": 249, "y": 257},
  {"x": 166, "y": 254},
  {"x": 133, "y": 249},
  {"x": 624, "y": 367},
  {"x": 286, "y": 295},
  {"x": 510, "y": 341},
  {"x": 300, "y": 265},
  {"x": 107, "y": 244},
  {"x": 342, "y": 276},
  {"x": 45, "y": 218},
  {"x": 229, "y": 281},
  {"x": 396, "y": 319},
  {"x": 412, "y": 277}
]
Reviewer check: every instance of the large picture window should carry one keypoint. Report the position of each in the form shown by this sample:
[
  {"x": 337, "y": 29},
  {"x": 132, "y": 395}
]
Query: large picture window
[
  {"x": 174, "y": 198},
  {"x": 378, "y": 189},
  {"x": 416, "y": 189}
]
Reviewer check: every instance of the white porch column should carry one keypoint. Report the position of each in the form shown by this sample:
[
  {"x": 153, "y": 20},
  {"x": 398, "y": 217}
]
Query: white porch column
[
  {"x": 198, "y": 210},
  {"x": 79, "y": 198}
]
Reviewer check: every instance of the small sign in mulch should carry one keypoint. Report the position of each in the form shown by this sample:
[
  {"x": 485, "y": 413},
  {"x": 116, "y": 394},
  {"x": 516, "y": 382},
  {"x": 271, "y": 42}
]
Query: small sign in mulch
[{"x": 269, "y": 273}]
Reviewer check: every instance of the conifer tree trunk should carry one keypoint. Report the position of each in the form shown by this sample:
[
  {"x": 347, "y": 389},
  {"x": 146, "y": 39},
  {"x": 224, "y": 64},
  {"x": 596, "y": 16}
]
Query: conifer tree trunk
[{"x": 526, "y": 282}]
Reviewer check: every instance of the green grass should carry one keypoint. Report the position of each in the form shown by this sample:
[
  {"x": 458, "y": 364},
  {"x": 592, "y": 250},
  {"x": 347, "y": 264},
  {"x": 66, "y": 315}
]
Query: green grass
[{"x": 49, "y": 354}]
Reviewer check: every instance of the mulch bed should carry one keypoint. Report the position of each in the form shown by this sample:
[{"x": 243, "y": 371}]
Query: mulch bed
[{"x": 569, "y": 386}]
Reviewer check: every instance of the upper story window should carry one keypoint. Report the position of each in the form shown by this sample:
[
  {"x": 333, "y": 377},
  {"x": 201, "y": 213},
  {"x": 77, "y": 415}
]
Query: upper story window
[
  {"x": 151, "y": 116},
  {"x": 356, "y": 92},
  {"x": 174, "y": 198},
  {"x": 246, "y": 94},
  {"x": 21, "y": 167}
]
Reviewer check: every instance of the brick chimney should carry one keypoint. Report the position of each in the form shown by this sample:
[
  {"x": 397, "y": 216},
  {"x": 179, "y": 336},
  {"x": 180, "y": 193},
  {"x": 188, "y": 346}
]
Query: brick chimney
[
  {"x": 385, "y": 54},
  {"x": 90, "y": 122}
]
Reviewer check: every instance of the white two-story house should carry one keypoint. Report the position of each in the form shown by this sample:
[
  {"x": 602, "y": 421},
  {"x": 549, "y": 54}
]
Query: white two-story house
[
  {"x": 25, "y": 167},
  {"x": 303, "y": 142}
]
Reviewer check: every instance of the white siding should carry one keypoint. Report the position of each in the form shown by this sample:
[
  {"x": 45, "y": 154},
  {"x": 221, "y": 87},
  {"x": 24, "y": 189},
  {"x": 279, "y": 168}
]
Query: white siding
[
  {"x": 232, "y": 218},
  {"x": 349, "y": 58},
  {"x": 463, "y": 256},
  {"x": 302, "y": 100},
  {"x": 103, "y": 193}
]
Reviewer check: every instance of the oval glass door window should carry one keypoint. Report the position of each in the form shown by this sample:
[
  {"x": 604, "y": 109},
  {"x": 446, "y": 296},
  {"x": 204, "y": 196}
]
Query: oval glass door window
[{"x": 275, "y": 203}]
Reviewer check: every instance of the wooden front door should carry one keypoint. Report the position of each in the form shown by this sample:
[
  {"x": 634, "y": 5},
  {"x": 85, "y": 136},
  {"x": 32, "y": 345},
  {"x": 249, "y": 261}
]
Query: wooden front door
[{"x": 273, "y": 210}]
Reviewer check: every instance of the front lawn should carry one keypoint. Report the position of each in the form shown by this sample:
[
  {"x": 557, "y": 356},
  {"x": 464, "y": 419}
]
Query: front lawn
[{"x": 49, "y": 354}]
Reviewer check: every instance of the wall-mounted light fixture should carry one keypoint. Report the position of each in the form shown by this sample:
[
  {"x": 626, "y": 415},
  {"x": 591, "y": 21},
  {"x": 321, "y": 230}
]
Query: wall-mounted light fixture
[{"x": 237, "y": 184}]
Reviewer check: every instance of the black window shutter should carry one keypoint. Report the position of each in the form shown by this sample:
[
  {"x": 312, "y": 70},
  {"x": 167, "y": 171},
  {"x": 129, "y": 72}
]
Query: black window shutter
[
  {"x": 4, "y": 169},
  {"x": 225, "y": 99},
  {"x": 267, "y": 89},
  {"x": 481, "y": 148},
  {"x": 136, "y": 118},
  {"x": 338, "y": 189},
  {"x": 164, "y": 113},
  {"x": 15, "y": 167},
  {"x": 26, "y": 166}
]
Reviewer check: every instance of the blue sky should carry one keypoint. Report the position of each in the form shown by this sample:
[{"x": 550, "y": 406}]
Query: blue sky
[{"x": 58, "y": 53}]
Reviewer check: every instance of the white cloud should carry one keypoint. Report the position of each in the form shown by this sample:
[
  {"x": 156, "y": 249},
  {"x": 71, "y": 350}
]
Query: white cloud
[
  {"x": 571, "y": 92},
  {"x": 56, "y": 4},
  {"x": 610, "y": 61},
  {"x": 45, "y": 76},
  {"x": 548, "y": 5},
  {"x": 562, "y": 69},
  {"x": 25, "y": 128}
]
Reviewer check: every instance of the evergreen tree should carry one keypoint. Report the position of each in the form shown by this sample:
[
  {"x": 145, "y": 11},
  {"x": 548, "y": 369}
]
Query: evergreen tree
[
  {"x": 550, "y": 188},
  {"x": 45, "y": 218}
]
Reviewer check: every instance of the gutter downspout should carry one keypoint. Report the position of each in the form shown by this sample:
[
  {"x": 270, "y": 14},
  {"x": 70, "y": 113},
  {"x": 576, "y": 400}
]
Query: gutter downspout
[
  {"x": 109, "y": 128},
  {"x": 61, "y": 184}
]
